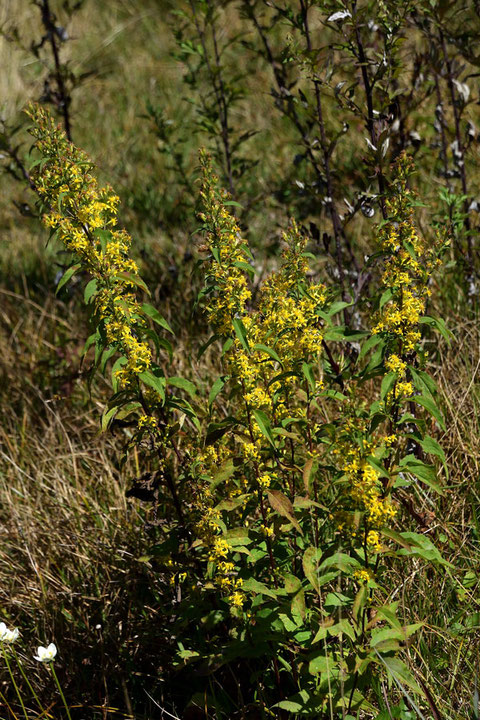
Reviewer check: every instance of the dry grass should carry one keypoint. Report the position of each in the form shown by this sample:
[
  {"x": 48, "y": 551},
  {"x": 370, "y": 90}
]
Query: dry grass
[
  {"x": 446, "y": 651},
  {"x": 71, "y": 544}
]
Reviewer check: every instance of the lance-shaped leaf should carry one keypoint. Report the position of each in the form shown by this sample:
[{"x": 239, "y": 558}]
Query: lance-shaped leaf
[
  {"x": 282, "y": 505},
  {"x": 264, "y": 424},
  {"x": 311, "y": 558}
]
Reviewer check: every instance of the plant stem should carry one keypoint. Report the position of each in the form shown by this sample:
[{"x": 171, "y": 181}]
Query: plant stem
[
  {"x": 30, "y": 687},
  {"x": 63, "y": 104},
  {"x": 5, "y": 655},
  {"x": 60, "y": 690}
]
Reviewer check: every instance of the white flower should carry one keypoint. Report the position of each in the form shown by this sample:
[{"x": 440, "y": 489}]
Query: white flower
[
  {"x": 340, "y": 15},
  {"x": 46, "y": 654},
  {"x": 6, "y": 635},
  {"x": 463, "y": 90}
]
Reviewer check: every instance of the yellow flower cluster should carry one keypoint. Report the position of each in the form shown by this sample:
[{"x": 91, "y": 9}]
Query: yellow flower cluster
[
  {"x": 287, "y": 319},
  {"x": 365, "y": 489},
  {"x": 409, "y": 263},
  {"x": 373, "y": 540},
  {"x": 269, "y": 345},
  {"x": 363, "y": 576},
  {"x": 394, "y": 364},
  {"x": 229, "y": 254},
  {"x": 147, "y": 421},
  {"x": 84, "y": 216},
  {"x": 208, "y": 528},
  {"x": 225, "y": 577}
]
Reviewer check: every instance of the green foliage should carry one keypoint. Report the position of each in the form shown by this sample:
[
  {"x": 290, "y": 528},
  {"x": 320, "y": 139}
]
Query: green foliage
[{"x": 285, "y": 456}]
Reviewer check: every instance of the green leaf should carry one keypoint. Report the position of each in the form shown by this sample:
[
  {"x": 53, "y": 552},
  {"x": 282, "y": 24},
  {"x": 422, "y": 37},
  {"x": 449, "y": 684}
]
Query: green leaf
[
  {"x": 432, "y": 447},
  {"x": 369, "y": 344},
  {"x": 290, "y": 705},
  {"x": 160, "y": 342},
  {"x": 107, "y": 417},
  {"x": 127, "y": 409},
  {"x": 307, "y": 371},
  {"x": 432, "y": 408},
  {"x": 217, "y": 387},
  {"x": 255, "y": 586},
  {"x": 157, "y": 383},
  {"x": 311, "y": 558},
  {"x": 227, "y": 345},
  {"x": 132, "y": 279},
  {"x": 327, "y": 577},
  {"x": 379, "y": 636},
  {"x": 282, "y": 505},
  {"x": 268, "y": 351},
  {"x": 423, "y": 381},
  {"x": 387, "y": 383},
  {"x": 90, "y": 290},
  {"x": 241, "y": 333},
  {"x": 377, "y": 465},
  {"x": 296, "y": 704},
  {"x": 232, "y": 202},
  {"x": 183, "y": 384},
  {"x": 361, "y": 599},
  {"x": 416, "y": 545},
  {"x": 438, "y": 324},
  {"x": 119, "y": 362},
  {"x": 397, "y": 669},
  {"x": 309, "y": 470},
  {"x": 336, "y": 599},
  {"x": 224, "y": 472},
  {"x": 91, "y": 340},
  {"x": 206, "y": 345},
  {"x": 293, "y": 585},
  {"x": 341, "y": 561},
  {"x": 237, "y": 536},
  {"x": 386, "y": 296},
  {"x": 426, "y": 473},
  {"x": 104, "y": 237},
  {"x": 107, "y": 354},
  {"x": 215, "y": 431},
  {"x": 376, "y": 359},
  {"x": 337, "y": 307},
  {"x": 184, "y": 407},
  {"x": 338, "y": 333},
  {"x": 66, "y": 276},
  {"x": 121, "y": 302},
  {"x": 156, "y": 317},
  {"x": 246, "y": 267},
  {"x": 264, "y": 424},
  {"x": 321, "y": 663}
]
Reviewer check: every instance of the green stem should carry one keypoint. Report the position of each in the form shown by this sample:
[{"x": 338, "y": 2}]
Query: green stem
[
  {"x": 60, "y": 690},
  {"x": 13, "y": 681},
  {"x": 30, "y": 687},
  {"x": 5, "y": 702}
]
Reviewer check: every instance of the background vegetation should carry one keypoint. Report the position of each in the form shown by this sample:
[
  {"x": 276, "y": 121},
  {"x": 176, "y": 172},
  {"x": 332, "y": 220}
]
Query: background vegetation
[{"x": 304, "y": 108}]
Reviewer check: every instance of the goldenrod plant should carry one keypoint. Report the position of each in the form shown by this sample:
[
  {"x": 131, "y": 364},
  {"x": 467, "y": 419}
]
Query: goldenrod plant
[
  {"x": 310, "y": 475},
  {"x": 83, "y": 216},
  {"x": 291, "y": 477}
]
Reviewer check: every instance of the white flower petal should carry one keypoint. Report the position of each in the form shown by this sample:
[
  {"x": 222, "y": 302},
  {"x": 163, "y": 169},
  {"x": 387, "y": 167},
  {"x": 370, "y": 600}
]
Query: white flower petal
[
  {"x": 52, "y": 650},
  {"x": 9, "y": 636},
  {"x": 340, "y": 15},
  {"x": 41, "y": 652}
]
